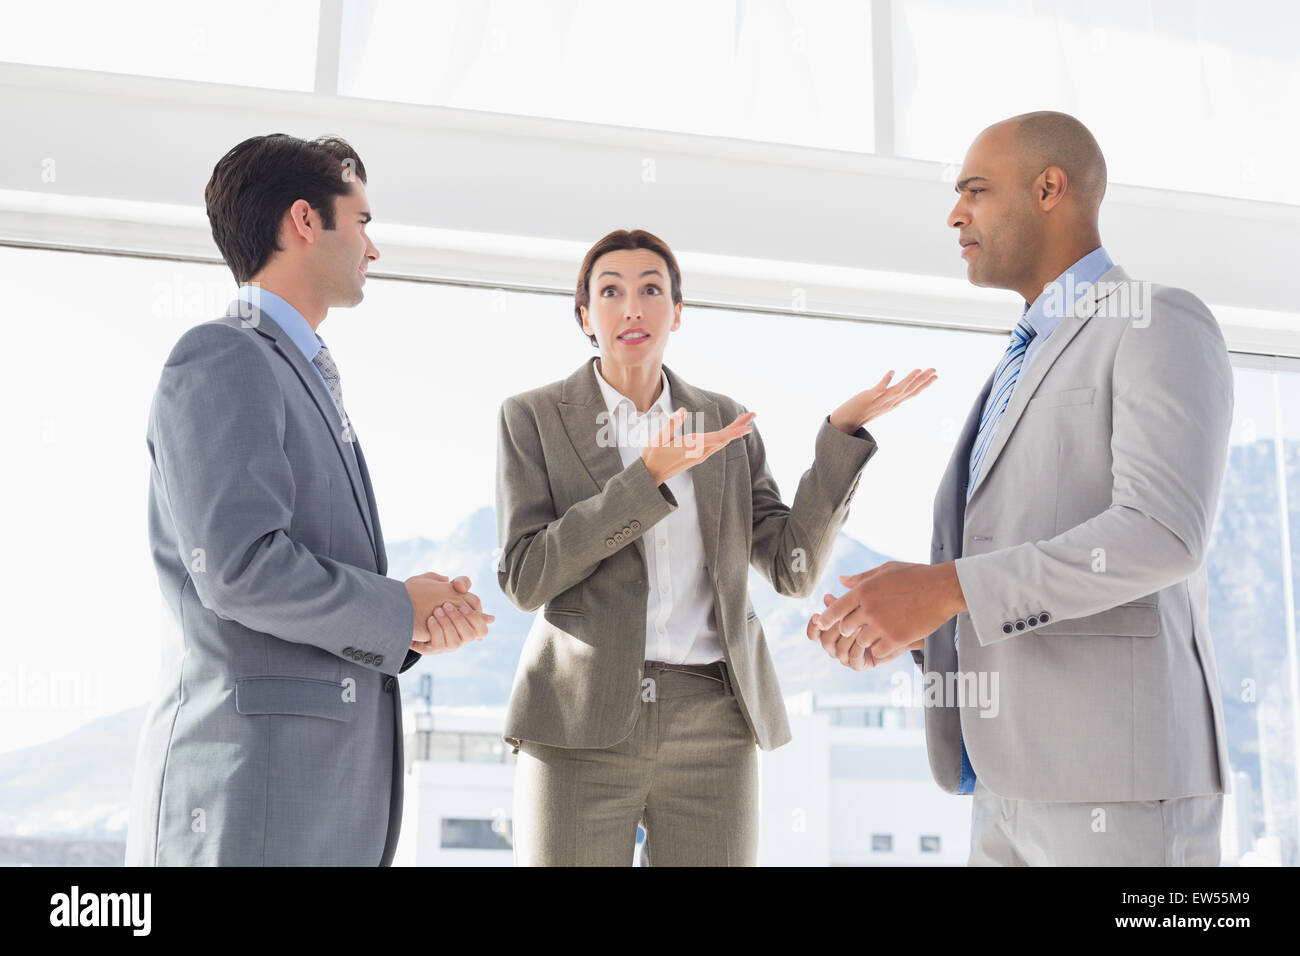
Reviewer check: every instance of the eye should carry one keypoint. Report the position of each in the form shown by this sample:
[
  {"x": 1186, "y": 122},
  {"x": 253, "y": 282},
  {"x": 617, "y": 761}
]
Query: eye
[
  {"x": 652, "y": 288},
  {"x": 608, "y": 289},
  {"x": 973, "y": 191}
]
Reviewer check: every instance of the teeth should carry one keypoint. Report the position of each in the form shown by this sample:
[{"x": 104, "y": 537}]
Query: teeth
[{"x": 634, "y": 335}]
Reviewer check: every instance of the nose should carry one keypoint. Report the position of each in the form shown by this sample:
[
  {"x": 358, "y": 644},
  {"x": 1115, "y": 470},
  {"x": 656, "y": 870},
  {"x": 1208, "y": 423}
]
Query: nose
[
  {"x": 959, "y": 216},
  {"x": 372, "y": 252},
  {"x": 633, "y": 308}
]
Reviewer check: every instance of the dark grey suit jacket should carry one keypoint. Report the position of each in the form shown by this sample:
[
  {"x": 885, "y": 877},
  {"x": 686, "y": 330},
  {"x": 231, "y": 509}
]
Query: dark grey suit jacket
[{"x": 276, "y": 735}]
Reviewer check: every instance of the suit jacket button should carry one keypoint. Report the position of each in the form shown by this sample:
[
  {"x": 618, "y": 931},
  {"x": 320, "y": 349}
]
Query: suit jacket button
[
  {"x": 634, "y": 525},
  {"x": 610, "y": 542},
  {"x": 1020, "y": 625},
  {"x": 618, "y": 536},
  {"x": 369, "y": 658},
  {"x": 1006, "y": 627},
  {"x": 379, "y": 659},
  {"x": 1043, "y": 617},
  {"x": 1033, "y": 621},
  {"x": 388, "y": 684},
  {"x": 627, "y": 531},
  {"x": 347, "y": 652}
]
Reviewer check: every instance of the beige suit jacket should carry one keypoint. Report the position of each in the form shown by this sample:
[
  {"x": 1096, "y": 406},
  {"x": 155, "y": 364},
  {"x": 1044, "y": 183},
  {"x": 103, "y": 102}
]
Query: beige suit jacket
[{"x": 570, "y": 520}]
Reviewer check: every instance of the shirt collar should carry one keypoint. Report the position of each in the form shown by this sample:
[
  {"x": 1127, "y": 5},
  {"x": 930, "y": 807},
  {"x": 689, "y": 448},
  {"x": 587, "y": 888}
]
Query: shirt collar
[
  {"x": 286, "y": 317},
  {"x": 1056, "y": 301},
  {"x": 615, "y": 398}
]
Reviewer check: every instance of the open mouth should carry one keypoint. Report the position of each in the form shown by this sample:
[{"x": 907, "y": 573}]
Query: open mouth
[{"x": 635, "y": 336}]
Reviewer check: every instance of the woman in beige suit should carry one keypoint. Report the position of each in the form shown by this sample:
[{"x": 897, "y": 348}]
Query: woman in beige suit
[{"x": 645, "y": 683}]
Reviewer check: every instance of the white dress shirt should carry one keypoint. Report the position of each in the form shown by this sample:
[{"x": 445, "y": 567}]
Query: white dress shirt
[{"x": 680, "y": 627}]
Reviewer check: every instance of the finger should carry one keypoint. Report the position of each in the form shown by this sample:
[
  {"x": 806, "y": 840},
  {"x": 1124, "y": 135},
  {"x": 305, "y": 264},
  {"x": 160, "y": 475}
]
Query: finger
[
  {"x": 473, "y": 600},
  {"x": 478, "y": 622},
  {"x": 464, "y": 630},
  {"x": 853, "y": 580},
  {"x": 438, "y": 635},
  {"x": 830, "y": 640},
  {"x": 668, "y": 434},
  {"x": 921, "y": 382},
  {"x": 433, "y": 576},
  {"x": 857, "y": 618},
  {"x": 843, "y": 646},
  {"x": 460, "y": 583},
  {"x": 857, "y": 656}
]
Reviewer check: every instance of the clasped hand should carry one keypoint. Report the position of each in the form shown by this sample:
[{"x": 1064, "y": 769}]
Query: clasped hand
[
  {"x": 888, "y": 610},
  {"x": 447, "y": 614}
]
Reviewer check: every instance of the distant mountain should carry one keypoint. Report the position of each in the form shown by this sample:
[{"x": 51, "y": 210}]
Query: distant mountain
[{"x": 75, "y": 786}]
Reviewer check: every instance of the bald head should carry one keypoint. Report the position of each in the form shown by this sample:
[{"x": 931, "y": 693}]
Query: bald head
[
  {"x": 1029, "y": 197},
  {"x": 1046, "y": 138}
]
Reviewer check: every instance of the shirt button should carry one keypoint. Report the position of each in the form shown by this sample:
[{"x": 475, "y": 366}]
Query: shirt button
[{"x": 662, "y": 543}]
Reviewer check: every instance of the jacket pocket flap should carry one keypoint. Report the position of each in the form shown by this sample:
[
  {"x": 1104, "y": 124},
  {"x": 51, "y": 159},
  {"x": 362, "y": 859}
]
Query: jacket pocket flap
[
  {"x": 304, "y": 696},
  {"x": 1135, "y": 619},
  {"x": 1069, "y": 396}
]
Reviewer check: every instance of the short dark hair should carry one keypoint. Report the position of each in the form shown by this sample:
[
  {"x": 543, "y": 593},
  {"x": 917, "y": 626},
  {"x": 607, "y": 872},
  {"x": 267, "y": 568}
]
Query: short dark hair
[
  {"x": 257, "y": 181},
  {"x": 616, "y": 241}
]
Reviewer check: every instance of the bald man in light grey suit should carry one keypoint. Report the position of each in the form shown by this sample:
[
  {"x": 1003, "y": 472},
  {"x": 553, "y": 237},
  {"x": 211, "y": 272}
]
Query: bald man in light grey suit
[
  {"x": 276, "y": 736},
  {"x": 1063, "y": 628}
]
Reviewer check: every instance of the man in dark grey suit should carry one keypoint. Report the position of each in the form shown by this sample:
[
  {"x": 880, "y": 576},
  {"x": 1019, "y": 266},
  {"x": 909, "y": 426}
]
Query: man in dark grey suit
[{"x": 276, "y": 738}]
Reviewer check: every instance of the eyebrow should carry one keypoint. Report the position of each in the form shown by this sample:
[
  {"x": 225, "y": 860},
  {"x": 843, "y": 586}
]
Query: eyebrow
[
  {"x": 648, "y": 272},
  {"x": 967, "y": 181}
]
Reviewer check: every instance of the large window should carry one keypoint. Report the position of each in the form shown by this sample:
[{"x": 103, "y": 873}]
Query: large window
[
  {"x": 179, "y": 41},
  {"x": 426, "y": 367},
  {"x": 787, "y": 72},
  {"x": 1180, "y": 95}
]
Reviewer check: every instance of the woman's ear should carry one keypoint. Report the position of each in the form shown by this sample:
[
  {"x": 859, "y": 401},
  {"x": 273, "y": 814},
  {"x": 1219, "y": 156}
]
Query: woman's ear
[{"x": 677, "y": 318}]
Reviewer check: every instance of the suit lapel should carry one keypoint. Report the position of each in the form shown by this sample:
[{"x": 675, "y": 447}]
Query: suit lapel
[
  {"x": 581, "y": 403},
  {"x": 381, "y": 555},
  {"x": 1030, "y": 379},
  {"x": 707, "y": 476},
  {"x": 582, "y": 410},
  {"x": 266, "y": 326}
]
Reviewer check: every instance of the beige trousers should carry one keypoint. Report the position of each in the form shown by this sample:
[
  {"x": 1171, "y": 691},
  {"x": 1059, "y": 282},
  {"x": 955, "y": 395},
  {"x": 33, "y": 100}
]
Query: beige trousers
[
  {"x": 1180, "y": 832},
  {"x": 688, "y": 773}
]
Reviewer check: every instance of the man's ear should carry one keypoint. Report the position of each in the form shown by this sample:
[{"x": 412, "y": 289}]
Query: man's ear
[
  {"x": 302, "y": 221},
  {"x": 1050, "y": 187}
]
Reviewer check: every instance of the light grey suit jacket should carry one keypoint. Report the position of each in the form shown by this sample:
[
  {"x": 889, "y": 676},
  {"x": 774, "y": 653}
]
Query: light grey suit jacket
[
  {"x": 570, "y": 519},
  {"x": 276, "y": 737},
  {"x": 1081, "y": 554}
]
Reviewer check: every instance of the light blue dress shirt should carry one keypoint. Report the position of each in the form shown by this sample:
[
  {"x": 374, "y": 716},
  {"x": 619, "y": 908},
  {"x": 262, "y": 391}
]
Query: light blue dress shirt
[
  {"x": 294, "y": 325},
  {"x": 1044, "y": 315}
]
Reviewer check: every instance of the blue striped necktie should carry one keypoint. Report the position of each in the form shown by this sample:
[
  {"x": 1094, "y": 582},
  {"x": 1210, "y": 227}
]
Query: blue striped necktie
[{"x": 1004, "y": 383}]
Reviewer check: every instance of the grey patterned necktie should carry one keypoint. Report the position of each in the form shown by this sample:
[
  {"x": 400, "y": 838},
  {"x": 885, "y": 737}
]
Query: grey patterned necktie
[{"x": 330, "y": 372}]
